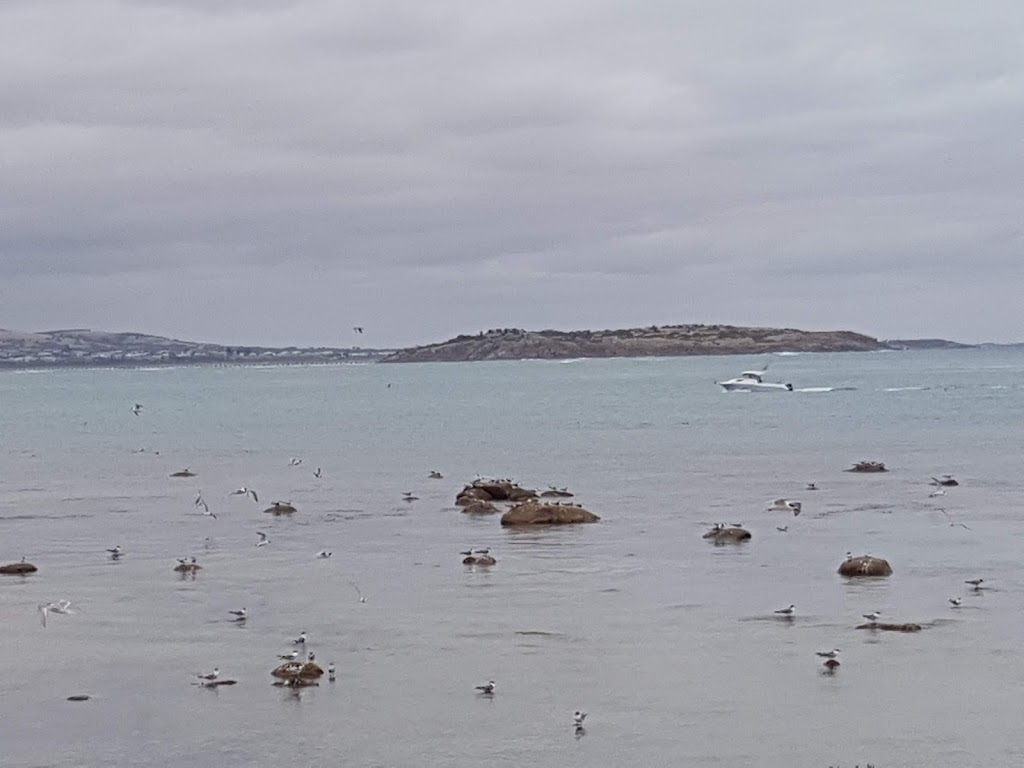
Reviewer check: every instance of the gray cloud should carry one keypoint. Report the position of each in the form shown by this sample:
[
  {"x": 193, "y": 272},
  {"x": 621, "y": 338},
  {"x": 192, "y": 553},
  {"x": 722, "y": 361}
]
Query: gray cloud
[{"x": 280, "y": 171}]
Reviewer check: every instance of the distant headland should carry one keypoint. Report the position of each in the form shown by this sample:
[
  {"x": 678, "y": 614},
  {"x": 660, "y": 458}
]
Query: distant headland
[{"x": 654, "y": 340}]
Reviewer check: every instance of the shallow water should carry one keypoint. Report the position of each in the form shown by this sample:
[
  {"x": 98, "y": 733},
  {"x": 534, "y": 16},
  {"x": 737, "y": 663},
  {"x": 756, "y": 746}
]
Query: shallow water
[{"x": 668, "y": 642}]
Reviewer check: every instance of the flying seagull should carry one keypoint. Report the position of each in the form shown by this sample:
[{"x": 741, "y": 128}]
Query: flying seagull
[
  {"x": 323, "y": 554},
  {"x": 358, "y": 591},
  {"x": 137, "y": 409},
  {"x": 317, "y": 473},
  {"x": 301, "y": 639},
  {"x": 357, "y": 329},
  {"x": 956, "y": 602},
  {"x": 243, "y": 491},
  {"x": 294, "y": 462},
  {"x": 264, "y": 541},
  {"x": 578, "y": 718},
  {"x": 61, "y": 606}
]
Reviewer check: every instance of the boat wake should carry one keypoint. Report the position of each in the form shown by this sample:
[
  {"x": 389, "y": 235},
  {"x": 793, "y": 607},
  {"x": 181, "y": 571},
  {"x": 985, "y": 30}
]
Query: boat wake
[{"x": 827, "y": 389}]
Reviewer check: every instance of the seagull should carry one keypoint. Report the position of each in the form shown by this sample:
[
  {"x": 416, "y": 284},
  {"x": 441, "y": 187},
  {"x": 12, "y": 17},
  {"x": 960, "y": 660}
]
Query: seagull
[
  {"x": 317, "y": 473},
  {"x": 240, "y": 615},
  {"x": 828, "y": 654},
  {"x": 210, "y": 675},
  {"x": 435, "y": 475},
  {"x": 812, "y": 487},
  {"x": 200, "y": 502},
  {"x": 937, "y": 492},
  {"x": 791, "y": 611},
  {"x": 311, "y": 656},
  {"x": 873, "y": 616},
  {"x": 137, "y": 409},
  {"x": 487, "y": 689},
  {"x": 408, "y": 496},
  {"x": 324, "y": 554},
  {"x": 358, "y": 591},
  {"x": 849, "y": 556},
  {"x": 781, "y": 528},
  {"x": 243, "y": 491},
  {"x": 578, "y": 718},
  {"x": 484, "y": 551},
  {"x": 263, "y": 539},
  {"x": 976, "y": 583},
  {"x": 956, "y": 602},
  {"x": 61, "y": 606},
  {"x": 290, "y": 656},
  {"x": 294, "y": 462},
  {"x": 116, "y": 552},
  {"x": 466, "y": 552},
  {"x": 357, "y": 329},
  {"x": 330, "y": 672},
  {"x": 301, "y": 639},
  {"x": 784, "y": 505}
]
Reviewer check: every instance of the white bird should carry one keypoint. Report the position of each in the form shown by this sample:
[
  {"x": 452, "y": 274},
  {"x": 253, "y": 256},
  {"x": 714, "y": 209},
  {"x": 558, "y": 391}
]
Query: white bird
[
  {"x": 812, "y": 486},
  {"x": 937, "y": 492},
  {"x": 264, "y": 541},
  {"x": 358, "y": 591},
  {"x": 781, "y": 528},
  {"x": 294, "y": 462},
  {"x": 317, "y": 473},
  {"x": 790, "y": 611},
  {"x": 240, "y": 615},
  {"x": 578, "y": 718},
  {"x": 62, "y": 607},
  {"x": 487, "y": 689},
  {"x": 330, "y": 672},
  {"x": 976, "y": 583},
  {"x": 324, "y": 554},
  {"x": 956, "y": 602},
  {"x": 301, "y": 639},
  {"x": 116, "y": 552},
  {"x": 210, "y": 675},
  {"x": 244, "y": 491},
  {"x": 137, "y": 409},
  {"x": 290, "y": 656},
  {"x": 408, "y": 496},
  {"x": 873, "y": 616},
  {"x": 828, "y": 654},
  {"x": 784, "y": 505}
]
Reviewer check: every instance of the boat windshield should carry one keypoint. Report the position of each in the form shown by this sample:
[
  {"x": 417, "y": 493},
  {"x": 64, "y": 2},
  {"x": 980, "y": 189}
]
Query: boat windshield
[{"x": 755, "y": 375}]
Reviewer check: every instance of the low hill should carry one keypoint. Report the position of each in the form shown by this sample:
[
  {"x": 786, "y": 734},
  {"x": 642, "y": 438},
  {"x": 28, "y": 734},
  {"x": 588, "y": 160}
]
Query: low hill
[{"x": 664, "y": 340}]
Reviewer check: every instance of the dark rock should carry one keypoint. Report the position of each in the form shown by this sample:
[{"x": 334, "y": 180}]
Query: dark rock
[
  {"x": 891, "y": 627},
  {"x": 865, "y": 566},
  {"x": 541, "y": 513},
  {"x": 728, "y": 535},
  {"x": 303, "y": 670},
  {"x": 280, "y": 508},
  {"x": 868, "y": 466},
  {"x": 18, "y": 568},
  {"x": 79, "y": 697},
  {"x": 479, "y": 560},
  {"x": 183, "y": 473},
  {"x": 556, "y": 493}
]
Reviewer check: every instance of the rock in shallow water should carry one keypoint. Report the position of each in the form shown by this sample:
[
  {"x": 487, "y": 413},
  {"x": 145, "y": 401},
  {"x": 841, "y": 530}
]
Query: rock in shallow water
[{"x": 540, "y": 513}]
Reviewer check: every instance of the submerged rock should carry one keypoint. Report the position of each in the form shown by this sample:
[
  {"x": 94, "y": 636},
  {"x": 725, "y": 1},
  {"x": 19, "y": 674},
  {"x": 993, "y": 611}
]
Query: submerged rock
[
  {"x": 494, "y": 490},
  {"x": 305, "y": 670},
  {"x": 544, "y": 513},
  {"x": 79, "y": 697},
  {"x": 477, "y": 507},
  {"x": 479, "y": 560},
  {"x": 865, "y": 565},
  {"x": 18, "y": 568},
  {"x": 186, "y": 472}
]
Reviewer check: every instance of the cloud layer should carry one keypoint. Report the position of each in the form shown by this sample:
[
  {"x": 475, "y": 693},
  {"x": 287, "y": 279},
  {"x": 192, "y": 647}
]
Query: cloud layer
[{"x": 277, "y": 172}]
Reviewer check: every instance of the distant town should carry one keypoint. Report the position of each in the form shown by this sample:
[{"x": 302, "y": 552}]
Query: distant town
[{"x": 86, "y": 348}]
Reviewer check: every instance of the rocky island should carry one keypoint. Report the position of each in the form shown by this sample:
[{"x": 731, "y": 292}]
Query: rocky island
[{"x": 652, "y": 341}]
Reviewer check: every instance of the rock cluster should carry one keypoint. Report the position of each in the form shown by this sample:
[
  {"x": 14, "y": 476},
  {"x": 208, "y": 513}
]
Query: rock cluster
[
  {"x": 493, "y": 490},
  {"x": 18, "y": 568}
]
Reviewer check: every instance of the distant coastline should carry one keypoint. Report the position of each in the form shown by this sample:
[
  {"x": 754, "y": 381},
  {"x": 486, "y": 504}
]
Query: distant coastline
[
  {"x": 83, "y": 348},
  {"x": 665, "y": 340}
]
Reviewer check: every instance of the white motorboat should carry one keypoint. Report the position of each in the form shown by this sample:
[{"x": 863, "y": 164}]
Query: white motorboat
[{"x": 753, "y": 381}]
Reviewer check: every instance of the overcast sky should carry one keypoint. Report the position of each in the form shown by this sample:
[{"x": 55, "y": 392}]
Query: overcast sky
[{"x": 277, "y": 172}]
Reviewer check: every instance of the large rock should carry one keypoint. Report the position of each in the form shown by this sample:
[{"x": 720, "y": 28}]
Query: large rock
[
  {"x": 306, "y": 670},
  {"x": 540, "y": 513},
  {"x": 727, "y": 535},
  {"x": 470, "y": 495},
  {"x": 18, "y": 568},
  {"x": 865, "y": 565},
  {"x": 885, "y": 627}
]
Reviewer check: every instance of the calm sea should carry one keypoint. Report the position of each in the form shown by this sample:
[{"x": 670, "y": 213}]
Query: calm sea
[{"x": 668, "y": 642}]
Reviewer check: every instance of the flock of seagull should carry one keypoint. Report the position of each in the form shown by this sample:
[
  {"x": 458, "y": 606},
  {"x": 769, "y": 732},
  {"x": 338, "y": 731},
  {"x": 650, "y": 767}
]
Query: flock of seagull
[{"x": 789, "y": 612}]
